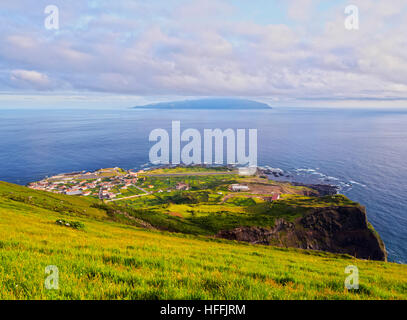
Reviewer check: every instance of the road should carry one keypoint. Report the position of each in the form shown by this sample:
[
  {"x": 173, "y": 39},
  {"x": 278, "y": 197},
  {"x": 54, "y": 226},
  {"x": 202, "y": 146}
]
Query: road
[
  {"x": 130, "y": 197},
  {"x": 146, "y": 193}
]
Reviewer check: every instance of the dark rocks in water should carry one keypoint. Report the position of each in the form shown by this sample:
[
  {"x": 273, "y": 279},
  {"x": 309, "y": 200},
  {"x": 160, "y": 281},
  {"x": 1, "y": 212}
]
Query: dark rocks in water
[
  {"x": 322, "y": 189},
  {"x": 333, "y": 229},
  {"x": 276, "y": 172}
]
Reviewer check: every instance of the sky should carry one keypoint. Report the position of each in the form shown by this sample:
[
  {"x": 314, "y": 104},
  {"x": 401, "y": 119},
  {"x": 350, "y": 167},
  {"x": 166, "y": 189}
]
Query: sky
[{"x": 129, "y": 52}]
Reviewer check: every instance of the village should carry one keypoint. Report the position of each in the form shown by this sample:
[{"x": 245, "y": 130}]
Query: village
[
  {"x": 105, "y": 184},
  {"x": 102, "y": 184},
  {"x": 114, "y": 184}
]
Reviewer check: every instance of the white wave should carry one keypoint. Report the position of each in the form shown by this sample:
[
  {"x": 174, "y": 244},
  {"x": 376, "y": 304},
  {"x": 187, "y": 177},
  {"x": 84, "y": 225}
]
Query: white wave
[
  {"x": 305, "y": 170},
  {"x": 357, "y": 183},
  {"x": 332, "y": 178},
  {"x": 315, "y": 172}
]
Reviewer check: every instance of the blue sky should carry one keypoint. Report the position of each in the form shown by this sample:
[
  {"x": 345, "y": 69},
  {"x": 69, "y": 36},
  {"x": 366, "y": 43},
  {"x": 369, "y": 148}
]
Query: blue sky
[{"x": 126, "y": 52}]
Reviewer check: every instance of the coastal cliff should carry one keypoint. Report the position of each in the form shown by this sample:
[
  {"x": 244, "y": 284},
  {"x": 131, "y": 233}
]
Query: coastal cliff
[
  {"x": 219, "y": 202},
  {"x": 333, "y": 229}
]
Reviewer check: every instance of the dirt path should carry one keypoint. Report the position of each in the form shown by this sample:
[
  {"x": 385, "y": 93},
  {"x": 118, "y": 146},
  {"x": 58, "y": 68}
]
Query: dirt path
[
  {"x": 141, "y": 189},
  {"x": 130, "y": 197}
]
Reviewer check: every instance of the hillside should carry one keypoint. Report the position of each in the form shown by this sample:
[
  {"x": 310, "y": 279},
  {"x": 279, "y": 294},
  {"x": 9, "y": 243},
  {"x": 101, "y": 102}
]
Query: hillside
[
  {"x": 299, "y": 217},
  {"x": 202, "y": 201},
  {"x": 105, "y": 259}
]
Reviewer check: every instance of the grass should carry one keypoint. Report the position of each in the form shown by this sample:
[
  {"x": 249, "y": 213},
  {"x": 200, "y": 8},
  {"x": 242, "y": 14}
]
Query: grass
[
  {"x": 200, "y": 213},
  {"x": 195, "y": 182},
  {"x": 109, "y": 260},
  {"x": 188, "y": 169},
  {"x": 318, "y": 202},
  {"x": 130, "y": 191},
  {"x": 66, "y": 205}
]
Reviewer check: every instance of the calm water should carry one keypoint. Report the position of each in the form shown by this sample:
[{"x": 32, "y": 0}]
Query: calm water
[{"x": 364, "y": 152}]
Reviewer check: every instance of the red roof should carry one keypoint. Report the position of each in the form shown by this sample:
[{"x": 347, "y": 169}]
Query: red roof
[{"x": 275, "y": 197}]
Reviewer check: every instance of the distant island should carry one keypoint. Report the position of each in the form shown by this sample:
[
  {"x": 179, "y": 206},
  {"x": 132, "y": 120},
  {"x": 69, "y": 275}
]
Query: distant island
[{"x": 224, "y": 103}]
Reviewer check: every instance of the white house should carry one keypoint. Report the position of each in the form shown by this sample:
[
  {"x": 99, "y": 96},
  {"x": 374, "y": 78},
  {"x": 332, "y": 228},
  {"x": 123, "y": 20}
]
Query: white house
[
  {"x": 247, "y": 171},
  {"x": 238, "y": 188}
]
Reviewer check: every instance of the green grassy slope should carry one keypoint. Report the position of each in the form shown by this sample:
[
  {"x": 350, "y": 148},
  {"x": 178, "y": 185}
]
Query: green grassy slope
[
  {"x": 177, "y": 212},
  {"x": 109, "y": 260}
]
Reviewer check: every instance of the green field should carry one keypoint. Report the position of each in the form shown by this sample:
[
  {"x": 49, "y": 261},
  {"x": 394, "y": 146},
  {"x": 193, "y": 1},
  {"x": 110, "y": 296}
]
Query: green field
[
  {"x": 188, "y": 169},
  {"x": 108, "y": 259},
  {"x": 206, "y": 210}
]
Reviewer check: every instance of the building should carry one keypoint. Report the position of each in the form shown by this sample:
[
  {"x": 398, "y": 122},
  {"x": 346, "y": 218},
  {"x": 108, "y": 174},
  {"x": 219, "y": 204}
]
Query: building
[
  {"x": 182, "y": 186},
  {"x": 238, "y": 188},
  {"x": 247, "y": 171},
  {"x": 274, "y": 197},
  {"x": 73, "y": 193}
]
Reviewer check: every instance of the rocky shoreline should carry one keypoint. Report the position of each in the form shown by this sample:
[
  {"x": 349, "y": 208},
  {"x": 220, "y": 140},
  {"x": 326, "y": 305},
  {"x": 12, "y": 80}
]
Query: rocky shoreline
[{"x": 323, "y": 189}]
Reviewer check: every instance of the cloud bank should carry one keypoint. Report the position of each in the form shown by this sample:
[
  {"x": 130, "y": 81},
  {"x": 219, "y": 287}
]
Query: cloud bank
[{"x": 278, "y": 50}]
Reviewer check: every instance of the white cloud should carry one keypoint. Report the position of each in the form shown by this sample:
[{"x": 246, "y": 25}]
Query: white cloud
[
  {"x": 30, "y": 78},
  {"x": 205, "y": 48}
]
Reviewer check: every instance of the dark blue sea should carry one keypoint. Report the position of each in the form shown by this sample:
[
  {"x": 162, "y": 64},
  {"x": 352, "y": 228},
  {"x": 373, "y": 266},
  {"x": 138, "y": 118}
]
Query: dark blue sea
[{"x": 364, "y": 152}]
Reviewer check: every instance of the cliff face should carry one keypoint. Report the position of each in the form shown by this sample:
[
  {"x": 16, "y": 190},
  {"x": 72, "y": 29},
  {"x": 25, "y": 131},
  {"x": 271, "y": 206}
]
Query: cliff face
[{"x": 332, "y": 229}]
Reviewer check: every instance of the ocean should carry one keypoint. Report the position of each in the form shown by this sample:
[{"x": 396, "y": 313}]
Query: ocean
[{"x": 362, "y": 151}]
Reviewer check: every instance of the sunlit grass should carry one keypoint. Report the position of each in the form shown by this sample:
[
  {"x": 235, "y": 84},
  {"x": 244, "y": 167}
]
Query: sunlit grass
[{"x": 107, "y": 260}]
